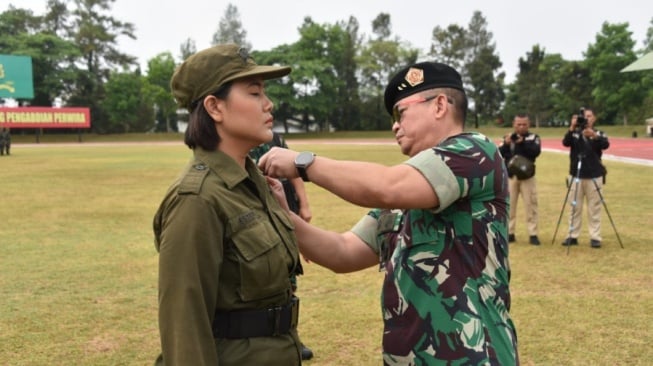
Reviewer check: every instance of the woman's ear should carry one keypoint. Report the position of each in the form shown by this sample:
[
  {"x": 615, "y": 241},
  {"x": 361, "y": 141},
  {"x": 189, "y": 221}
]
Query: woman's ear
[{"x": 214, "y": 107}]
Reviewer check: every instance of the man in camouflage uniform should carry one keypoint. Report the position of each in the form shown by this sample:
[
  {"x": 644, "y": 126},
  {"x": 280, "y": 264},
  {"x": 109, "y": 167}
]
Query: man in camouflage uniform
[{"x": 443, "y": 246}]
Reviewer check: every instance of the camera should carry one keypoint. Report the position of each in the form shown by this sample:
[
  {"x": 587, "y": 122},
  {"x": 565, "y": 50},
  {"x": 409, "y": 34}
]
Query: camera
[
  {"x": 514, "y": 136},
  {"x": 581, "y": 121}
]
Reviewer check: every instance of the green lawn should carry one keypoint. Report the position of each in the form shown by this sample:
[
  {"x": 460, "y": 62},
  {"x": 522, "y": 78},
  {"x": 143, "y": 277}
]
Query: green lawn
[{"x": 78, "y": 267}]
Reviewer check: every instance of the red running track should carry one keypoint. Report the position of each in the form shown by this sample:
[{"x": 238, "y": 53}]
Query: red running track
[{"x": 633, "y": 150}]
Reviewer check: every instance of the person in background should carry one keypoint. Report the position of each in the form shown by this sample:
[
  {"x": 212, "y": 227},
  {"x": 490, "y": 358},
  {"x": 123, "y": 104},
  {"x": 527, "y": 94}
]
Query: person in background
[
  {"x": 296, "y": 198},
  {"x": 527, "y": 144},
  {"x": 227, "y": 252},
  {"x": 5, "y": 141},
  {"x": 440, "y": 232},
  {"x": 586, "y": 148}
]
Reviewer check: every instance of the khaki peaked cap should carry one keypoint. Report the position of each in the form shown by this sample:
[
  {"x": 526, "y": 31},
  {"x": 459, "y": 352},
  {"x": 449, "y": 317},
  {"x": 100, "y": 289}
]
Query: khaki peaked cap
[{"x": 206, "y": 71}]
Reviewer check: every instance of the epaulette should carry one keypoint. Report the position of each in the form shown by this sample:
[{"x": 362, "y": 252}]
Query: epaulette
[{"x": 192, "y": 181}]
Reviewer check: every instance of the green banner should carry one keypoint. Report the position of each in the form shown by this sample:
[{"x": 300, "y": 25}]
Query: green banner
[{"x": 16, "y": 77}]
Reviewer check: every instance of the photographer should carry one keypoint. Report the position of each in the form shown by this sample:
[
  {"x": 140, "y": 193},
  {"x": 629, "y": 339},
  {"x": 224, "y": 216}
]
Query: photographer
[
  {"x": 522, "y": 182},
  {"x": 587, "y": 145}
]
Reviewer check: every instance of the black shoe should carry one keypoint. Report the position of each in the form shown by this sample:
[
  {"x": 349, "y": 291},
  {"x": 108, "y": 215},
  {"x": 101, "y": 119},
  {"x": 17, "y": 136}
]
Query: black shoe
[
  {"x": 511, "y": 238},
  {"x": 307, "y": 354},
  {"x": 595, "y": 243},
  {"x": 534, "y": 240},
  {"x": 570, "y": 241}
]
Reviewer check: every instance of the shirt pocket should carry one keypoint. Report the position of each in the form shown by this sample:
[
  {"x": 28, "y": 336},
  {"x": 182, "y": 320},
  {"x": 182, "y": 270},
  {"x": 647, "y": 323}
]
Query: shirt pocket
[{"x": 262, "y": 264}]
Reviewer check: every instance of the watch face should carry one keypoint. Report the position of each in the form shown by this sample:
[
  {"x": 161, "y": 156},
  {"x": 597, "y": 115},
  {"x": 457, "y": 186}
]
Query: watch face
[{"x": 304, "y": 158}]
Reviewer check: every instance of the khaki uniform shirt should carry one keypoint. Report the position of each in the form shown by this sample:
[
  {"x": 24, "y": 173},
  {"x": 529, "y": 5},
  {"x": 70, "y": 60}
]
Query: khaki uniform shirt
[{"x": 224, "y": 244}]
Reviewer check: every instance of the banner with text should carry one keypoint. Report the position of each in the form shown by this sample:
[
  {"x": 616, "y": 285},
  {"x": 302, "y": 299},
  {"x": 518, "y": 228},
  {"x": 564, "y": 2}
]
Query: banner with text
[{"x": 45, "y": 117}]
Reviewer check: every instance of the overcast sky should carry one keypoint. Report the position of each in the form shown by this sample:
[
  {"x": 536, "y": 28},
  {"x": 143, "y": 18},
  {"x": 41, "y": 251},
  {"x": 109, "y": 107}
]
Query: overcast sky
[{"x": 560, "y": 26}]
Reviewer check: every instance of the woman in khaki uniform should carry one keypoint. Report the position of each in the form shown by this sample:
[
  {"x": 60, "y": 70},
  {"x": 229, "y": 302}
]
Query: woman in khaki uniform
[{"x": 227, "y": 250}]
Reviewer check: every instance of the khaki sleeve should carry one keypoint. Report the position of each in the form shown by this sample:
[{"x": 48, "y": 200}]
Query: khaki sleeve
[
  {"x": 439, "y": 175},
  {"x": 190, "y": 258},
  {"x": 366, "y": 229}
]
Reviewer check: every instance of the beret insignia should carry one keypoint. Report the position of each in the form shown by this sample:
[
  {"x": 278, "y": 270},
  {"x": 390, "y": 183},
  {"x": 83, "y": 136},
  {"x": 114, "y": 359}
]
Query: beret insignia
[{"x": 414, "y": 76}]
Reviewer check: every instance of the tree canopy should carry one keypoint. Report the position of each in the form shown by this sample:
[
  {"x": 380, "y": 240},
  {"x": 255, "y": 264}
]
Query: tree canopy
[{"x": 339, "y": 74}]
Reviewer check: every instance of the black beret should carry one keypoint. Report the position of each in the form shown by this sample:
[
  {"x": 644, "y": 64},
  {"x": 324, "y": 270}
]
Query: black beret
[
  {"x": 206, "y": 71},
  {"x": 419, "y": 77}
]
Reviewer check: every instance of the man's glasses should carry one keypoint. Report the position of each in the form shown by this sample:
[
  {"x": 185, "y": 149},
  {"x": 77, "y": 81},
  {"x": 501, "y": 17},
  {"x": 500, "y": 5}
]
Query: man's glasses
[{"x": 396, "y": 113}]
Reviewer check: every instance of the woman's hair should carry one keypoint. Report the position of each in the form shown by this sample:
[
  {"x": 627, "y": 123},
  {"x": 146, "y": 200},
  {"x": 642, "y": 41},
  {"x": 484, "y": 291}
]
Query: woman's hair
[{"x": 201, "y": 131}]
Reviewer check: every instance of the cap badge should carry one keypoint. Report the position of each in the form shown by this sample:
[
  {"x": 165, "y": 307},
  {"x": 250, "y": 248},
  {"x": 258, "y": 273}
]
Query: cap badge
[
  {"x": 414, "y": 76},
  {"x": 244, "y": 54}
]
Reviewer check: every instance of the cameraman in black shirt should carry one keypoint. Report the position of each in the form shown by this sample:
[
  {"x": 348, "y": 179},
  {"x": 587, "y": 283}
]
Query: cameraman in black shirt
[
  {"x": 587, "y": 145},
  {"x": 527, "y": 144}
]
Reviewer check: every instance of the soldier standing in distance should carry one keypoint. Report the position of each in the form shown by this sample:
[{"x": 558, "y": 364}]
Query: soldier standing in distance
[
  {"x": 527, "y": 144},
  {"x": 3, "y": 141},
  {"x": 440, "y": 233}
]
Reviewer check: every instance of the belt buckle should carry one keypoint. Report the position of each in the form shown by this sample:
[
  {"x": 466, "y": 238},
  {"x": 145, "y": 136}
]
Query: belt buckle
[{"x": 274, "y": 316}]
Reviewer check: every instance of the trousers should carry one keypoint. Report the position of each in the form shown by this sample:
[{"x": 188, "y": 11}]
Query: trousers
[
  {"x": 585, "y": 190},
  {"x": 527, "y": 189}
]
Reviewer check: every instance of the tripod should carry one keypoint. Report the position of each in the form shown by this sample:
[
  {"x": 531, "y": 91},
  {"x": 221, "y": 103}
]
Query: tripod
[{"x": 574, "y": 203}]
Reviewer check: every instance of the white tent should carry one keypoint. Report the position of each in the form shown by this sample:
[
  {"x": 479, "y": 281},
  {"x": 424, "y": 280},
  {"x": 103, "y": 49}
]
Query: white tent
[{"x": 643, "y": 63}]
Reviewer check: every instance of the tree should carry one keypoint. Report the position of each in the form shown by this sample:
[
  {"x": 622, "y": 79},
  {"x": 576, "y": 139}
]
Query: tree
[
  {"x": 648, "y": 42},
  {"x": 187, "y": 49},
  {"x": 484, "y": 82},
  {"x": 128, "y": 103},
  {"x": 449, "y": 45},
  {"x": 571, "y": 88},
  {"x": 23, "y": 33},
  {"x": 279, "y": 90},
  {"x": 322, "y": 87},
  {"x": 347, "y": 114},
  {"x": 615, "y": 93},
  {"x": 230, "y": 29},
  {"x": 533, "y": 85},
  {"x": 314, "y": 76},
  {"x": 382, "y": 26},
  {"x": 96, "y": 35},
  {"x": 379, "y": 59},
  {"x": 160, "y": 70}
]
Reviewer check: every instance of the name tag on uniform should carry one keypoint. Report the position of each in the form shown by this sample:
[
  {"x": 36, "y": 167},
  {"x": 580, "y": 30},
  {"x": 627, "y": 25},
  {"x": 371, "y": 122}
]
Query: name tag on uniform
[{"x": 247, "y": 218}]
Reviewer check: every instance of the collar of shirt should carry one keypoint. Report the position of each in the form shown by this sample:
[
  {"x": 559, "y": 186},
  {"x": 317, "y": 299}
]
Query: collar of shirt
[{"x": 226, "y": 167}]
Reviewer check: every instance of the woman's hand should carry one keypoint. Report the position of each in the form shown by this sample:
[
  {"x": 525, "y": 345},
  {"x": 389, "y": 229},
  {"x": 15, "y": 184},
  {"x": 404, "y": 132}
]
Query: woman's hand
[{"x": 277, "y": 190}]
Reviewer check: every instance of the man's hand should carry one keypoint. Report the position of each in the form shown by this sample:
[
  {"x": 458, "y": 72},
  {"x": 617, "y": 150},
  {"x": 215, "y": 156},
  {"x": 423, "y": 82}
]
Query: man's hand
[
  {"x": 589, "y": 133},
  {"x": 279, "y": 163},
  {"x": 572, "y": 125}
]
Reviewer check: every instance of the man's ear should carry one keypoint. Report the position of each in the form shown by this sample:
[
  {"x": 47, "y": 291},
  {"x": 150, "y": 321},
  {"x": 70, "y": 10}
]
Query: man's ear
[
  {"x": 441, "y": 105},
  {"x": 214, "y": 107}
]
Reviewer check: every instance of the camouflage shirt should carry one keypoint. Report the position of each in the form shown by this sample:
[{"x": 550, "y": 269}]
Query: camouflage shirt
[{"x": 445, "y": 297}]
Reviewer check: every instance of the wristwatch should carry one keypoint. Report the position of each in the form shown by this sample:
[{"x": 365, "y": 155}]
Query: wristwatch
[{"x": 302, "y": 162}]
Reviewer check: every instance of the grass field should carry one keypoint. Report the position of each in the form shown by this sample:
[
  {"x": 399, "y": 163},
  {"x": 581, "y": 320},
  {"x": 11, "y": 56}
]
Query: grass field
[
  {"x": 495, "y": 132},
  {"x": 78, "y": 267}
]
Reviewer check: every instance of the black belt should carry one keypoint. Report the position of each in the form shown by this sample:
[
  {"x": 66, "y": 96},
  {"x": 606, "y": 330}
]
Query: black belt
[{"x": 268, "y": 322}]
